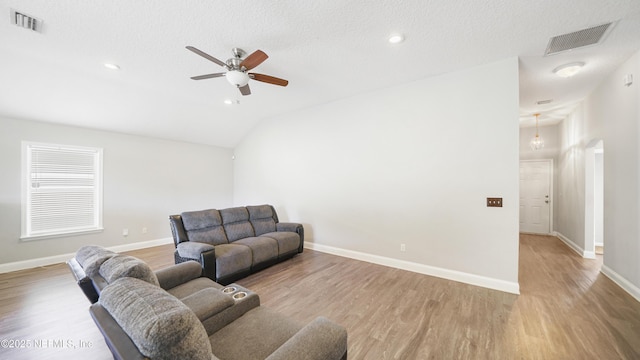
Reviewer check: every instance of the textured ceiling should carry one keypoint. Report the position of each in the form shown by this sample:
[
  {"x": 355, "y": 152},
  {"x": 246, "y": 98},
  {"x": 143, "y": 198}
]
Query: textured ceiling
[{"x": 328, "y": 50}]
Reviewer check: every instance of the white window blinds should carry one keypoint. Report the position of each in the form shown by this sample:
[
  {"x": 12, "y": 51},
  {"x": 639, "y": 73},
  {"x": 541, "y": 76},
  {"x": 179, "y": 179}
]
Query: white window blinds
[{"x": 63, "y": 190}]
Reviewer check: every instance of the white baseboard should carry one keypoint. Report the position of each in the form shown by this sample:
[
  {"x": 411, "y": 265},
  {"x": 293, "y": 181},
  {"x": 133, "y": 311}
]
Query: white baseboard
[
  {"x": 580, "y": 251},
  {"x": 472, "y": 279},
  {"x": 625, "y": 284},
  {"x": 56, "y": 259}
]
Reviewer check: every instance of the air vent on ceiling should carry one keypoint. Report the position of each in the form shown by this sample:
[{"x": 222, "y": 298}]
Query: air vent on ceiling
[
  {"x": 577, "y": 39},
  {"x": 543, "y": 102},
  {"x": 26, "y": 21}
]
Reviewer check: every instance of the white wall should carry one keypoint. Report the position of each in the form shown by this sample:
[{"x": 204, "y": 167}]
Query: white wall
[
  {"x": 411, "y": 164},
  {"x": 145, "y": 181},
  {"x": 617, "y": 107},
  {"x": 575, "y": 134},
  {"x": 598, "y": 199},
  {"x": 610, "y": 113}
]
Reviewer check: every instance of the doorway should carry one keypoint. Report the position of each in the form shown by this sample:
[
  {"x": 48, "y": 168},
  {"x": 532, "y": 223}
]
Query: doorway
[
  {"x": 536, "y": 192},
  {"x": 594, "y": 198}
]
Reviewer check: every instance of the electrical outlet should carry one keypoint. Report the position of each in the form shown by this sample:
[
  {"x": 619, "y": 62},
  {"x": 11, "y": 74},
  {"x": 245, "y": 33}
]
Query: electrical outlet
[
  {"x": 403, "y": 248},
  {"x": 125, "y": 232},
  {"x": 144, "y": 230},
  {"x": 494, "y": 202}
]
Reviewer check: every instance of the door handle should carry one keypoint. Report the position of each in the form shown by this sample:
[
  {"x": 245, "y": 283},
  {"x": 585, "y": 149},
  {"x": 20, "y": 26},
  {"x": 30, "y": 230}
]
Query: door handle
[{"x": 546, "y": 201}]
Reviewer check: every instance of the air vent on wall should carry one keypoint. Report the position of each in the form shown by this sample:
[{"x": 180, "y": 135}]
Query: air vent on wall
[
  {"x": 577, "y": 39},
  {"x": 26, "y": 21}
]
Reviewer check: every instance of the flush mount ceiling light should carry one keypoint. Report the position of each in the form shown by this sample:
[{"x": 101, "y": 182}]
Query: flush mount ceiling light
[
  {"x": 537, "y": 142},
  {"x": 231, "y": 102},
  {"x": 396, "y": 39},
  {"x": 111, "y": 66},
  {"x": 568, "y": 70}
]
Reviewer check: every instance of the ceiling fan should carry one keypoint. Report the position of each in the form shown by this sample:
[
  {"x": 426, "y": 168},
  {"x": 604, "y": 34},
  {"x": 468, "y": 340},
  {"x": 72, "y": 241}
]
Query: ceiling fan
[{"x": 237, "y": 68}]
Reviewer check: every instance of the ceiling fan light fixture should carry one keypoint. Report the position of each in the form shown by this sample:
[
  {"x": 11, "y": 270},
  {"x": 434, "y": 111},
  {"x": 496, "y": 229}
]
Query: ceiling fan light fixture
[
  {"x": 237, "y": 78},
  {"x": 237, "y": 68},
  {"x": 568, "y": 70}
]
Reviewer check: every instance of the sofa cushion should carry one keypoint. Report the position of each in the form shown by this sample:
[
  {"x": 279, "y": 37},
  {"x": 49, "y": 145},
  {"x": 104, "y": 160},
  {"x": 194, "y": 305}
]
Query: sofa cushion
[
  {"x": 231, "y": 259},
  {"x": 288, "y": 242},
  {"x": 91, "y": 257},
  {"x": 204, "y": 226},
  {"x": 263, "y": 249},
  {"x": 262, "y": 219},
  {"x": 183, "y": 290},
  {"x": 160, "y": 326},
  {"x": 121, "y": 266},
  {"x": 255, "y": 335},
  {"x": 235, "y": 214},
  {"x": 236, "y": 223}
]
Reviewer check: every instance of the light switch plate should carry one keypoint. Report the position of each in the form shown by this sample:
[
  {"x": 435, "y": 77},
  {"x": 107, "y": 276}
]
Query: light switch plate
[{"x": 494, "y": 202}]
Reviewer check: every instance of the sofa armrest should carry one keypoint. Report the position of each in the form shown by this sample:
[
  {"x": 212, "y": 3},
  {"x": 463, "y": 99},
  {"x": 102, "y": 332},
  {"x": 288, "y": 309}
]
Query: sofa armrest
[
  {"x": 293, "y": 227},
  {"x": 175, "y": 275},
  {"x": 117, "y": 340},
  {"x": 84, "y": 282},
  {"x": 177, "y": 229},
  {"x": 208, "y": 302},
  {"x": 203, "y": 253},
  {"x": 230, "y": 314},
  {"x": 193, "y": 249},
  {"x": 321, "y": 339}
]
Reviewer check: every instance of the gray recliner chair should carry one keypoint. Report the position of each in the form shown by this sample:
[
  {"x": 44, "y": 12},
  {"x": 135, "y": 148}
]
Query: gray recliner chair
[
  {"x": 178, "y": 313},
  {"x": 140, "y": 320}
]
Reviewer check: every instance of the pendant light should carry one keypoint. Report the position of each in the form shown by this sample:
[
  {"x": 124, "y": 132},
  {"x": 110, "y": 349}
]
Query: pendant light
[{"x": 537, "y": 142}]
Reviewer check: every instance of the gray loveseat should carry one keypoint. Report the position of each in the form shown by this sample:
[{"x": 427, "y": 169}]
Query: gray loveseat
[
  {"x": 175, "y": 313},
  {"x": 232, "y": 243}
]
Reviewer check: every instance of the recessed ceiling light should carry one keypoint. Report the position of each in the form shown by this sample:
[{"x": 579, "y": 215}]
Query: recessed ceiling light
[
  {"x": 396, "y": 38},
  {"x": 231, "y": 102},
  {"x": 111, "y": 66},
  {"x": 568, "y": 70}
]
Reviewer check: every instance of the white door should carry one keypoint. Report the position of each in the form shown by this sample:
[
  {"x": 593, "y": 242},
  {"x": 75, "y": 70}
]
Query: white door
[{"x": 535, "y": 196}]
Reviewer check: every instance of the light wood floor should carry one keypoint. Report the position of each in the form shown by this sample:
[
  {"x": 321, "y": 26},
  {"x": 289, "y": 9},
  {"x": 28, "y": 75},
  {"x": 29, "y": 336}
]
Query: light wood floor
[{"x": 566, "y": 310}]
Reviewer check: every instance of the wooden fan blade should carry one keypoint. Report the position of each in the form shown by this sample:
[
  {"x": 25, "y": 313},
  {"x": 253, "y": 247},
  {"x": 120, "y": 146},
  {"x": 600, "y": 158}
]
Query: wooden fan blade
[
  {"x": 256, "y": 58},
  {"x": 207, "y": 56},
  {"x": 269, "y": 79},
  {"x": 244, "y": 90},
  {"x": 208, "y": 76}
]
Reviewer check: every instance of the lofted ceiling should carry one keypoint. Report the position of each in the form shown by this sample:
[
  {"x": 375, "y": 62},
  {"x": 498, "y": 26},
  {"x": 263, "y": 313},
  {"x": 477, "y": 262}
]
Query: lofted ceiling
[{"x": 328, "y": 50}]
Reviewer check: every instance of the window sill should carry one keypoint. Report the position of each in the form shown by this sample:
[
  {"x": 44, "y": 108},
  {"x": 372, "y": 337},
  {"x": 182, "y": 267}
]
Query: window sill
[{"x": 59, "y": 235}]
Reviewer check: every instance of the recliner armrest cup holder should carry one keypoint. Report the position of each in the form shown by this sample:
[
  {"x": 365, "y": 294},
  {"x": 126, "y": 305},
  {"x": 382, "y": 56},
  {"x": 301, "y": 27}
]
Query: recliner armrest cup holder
[
  {"x": 239, "y": 295},
  {"x": 229, "y": 289},
  {"x": 236, "y": 292}
]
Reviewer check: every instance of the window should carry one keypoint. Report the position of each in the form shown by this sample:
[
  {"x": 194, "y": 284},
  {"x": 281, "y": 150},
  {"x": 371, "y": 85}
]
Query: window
[{"x": 62, "y": 190}]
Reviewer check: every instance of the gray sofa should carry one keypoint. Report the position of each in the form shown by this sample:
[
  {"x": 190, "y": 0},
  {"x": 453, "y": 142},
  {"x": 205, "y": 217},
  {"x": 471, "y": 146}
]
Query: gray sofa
[
  {"x": 232, "y": 243},
  {"x": 176, "y": 313}
]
